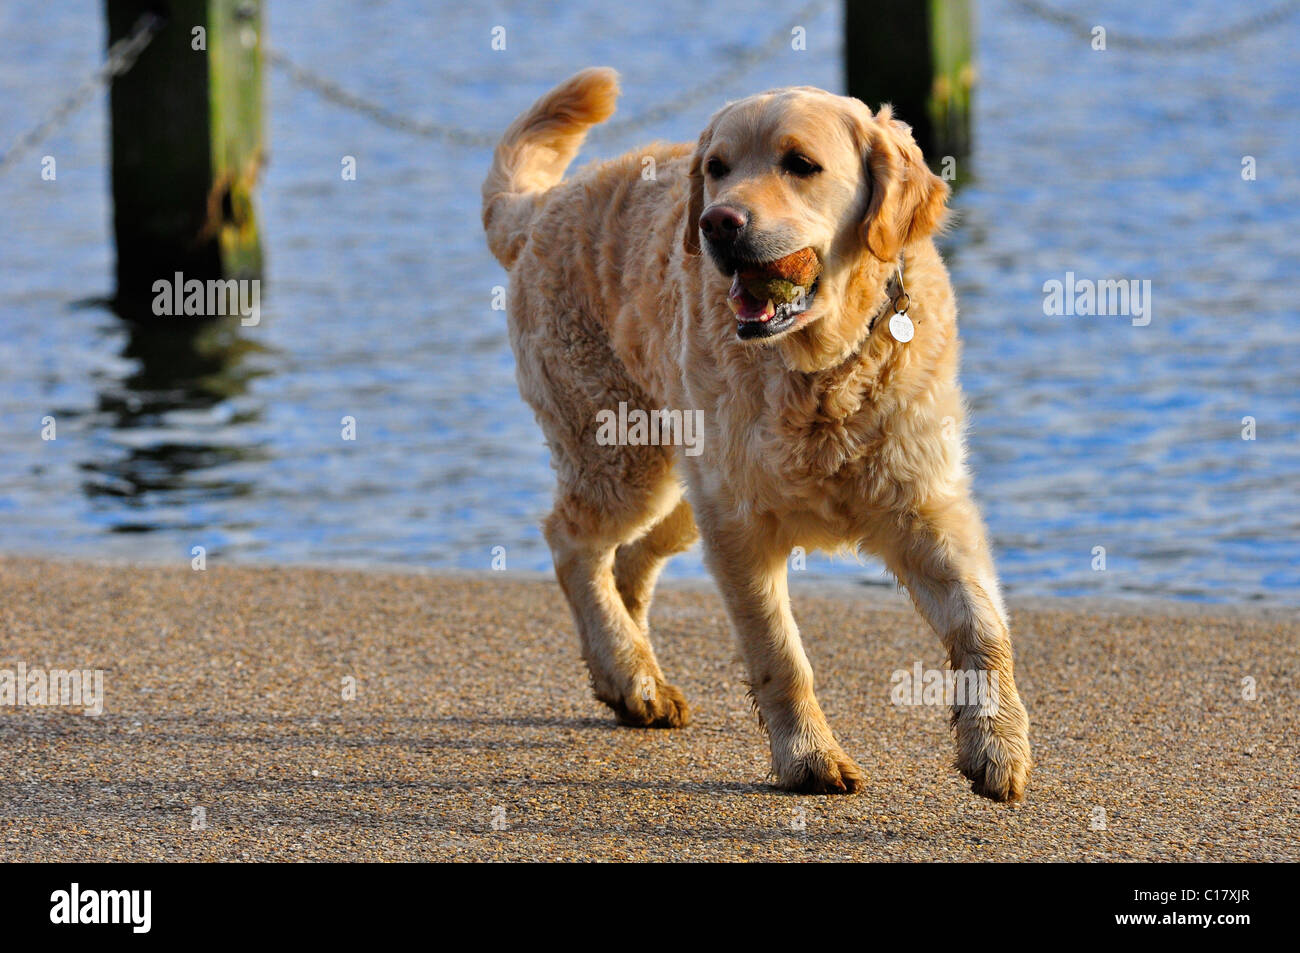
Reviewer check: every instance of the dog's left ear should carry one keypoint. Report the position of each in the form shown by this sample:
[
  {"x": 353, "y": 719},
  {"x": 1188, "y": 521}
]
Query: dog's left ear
[
  {"x": 695, "y": 200},
  {"x": 908, "y": 202}
]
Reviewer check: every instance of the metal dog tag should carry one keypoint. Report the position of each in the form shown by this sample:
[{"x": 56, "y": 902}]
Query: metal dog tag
[{"x": 900, "y": 326}]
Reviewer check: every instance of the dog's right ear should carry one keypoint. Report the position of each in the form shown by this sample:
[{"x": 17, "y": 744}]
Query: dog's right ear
[{"x": 695, "y": 198}]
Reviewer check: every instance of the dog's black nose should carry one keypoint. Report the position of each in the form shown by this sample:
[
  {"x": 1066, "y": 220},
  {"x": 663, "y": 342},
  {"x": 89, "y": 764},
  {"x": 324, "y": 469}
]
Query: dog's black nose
[{"x": 723, "y": 223}]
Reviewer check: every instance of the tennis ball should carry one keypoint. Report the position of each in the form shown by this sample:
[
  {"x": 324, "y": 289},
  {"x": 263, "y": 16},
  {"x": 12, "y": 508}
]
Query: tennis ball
[
  {"x": 784, "y": 279},
  {"x": 776, "y": 290}
]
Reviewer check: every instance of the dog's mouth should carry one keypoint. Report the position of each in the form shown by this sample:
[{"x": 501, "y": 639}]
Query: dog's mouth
[
  {"x": 762, "y": 319},
  {"x": 766, "y": 303}
]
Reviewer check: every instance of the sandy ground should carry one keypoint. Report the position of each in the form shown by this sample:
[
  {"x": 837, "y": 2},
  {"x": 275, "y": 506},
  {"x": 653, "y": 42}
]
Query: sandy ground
[{"x": 472, "y": 734}]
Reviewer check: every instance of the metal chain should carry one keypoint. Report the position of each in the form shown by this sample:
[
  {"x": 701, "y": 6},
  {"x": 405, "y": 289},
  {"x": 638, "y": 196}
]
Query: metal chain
[
  {"x": 122, "y": 55},
  {"x": 446, "y": 132},
  {"x": 331, "y": 91},
  {"x": 737, "y": 66},
  {"x": 1178, "y": 44}
]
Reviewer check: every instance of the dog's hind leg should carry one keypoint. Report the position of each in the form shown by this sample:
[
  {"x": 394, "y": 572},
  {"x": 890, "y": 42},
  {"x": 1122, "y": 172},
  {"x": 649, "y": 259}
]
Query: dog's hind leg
[
  {"x": 637, "y": 564},
  {"x": 610, "y": 491},
  {"x": 625, "y": 674}
]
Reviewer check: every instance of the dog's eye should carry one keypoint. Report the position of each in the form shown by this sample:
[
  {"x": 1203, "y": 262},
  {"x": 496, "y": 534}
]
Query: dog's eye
[
  {"x": 716, "y": 168},
  {"x": 796, "y": 164}
]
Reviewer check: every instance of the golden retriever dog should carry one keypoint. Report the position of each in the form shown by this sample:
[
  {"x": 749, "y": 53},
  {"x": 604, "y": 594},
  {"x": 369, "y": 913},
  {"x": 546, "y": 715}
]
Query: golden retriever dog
[{"x": 824, "y": 422}]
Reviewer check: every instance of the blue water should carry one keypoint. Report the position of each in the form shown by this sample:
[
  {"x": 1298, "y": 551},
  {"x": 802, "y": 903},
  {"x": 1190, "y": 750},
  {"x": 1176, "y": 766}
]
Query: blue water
[{"x": 1088, "y": 431}]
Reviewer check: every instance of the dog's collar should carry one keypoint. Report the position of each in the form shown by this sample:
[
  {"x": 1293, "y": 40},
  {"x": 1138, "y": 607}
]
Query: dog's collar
[
  {"x": 900, "y": 324},
  {"x": 896, "y": 299}
]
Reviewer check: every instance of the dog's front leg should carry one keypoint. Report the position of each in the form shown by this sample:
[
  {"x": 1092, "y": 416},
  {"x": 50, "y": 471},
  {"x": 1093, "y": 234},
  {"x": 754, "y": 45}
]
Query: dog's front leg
[
  {"x": 749, "y": 565},
  {"x": 943, "y": 558}
]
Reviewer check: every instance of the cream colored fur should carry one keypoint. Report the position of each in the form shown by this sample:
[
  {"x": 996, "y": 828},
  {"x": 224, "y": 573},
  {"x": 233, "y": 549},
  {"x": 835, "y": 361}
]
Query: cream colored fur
[{"x": 829, "y": 436}]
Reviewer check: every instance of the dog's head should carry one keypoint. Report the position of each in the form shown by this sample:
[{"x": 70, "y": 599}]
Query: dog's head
[{"x": 801, "y": 168}]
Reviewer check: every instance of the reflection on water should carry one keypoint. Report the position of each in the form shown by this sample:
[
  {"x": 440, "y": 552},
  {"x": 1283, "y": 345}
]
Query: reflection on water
[
  {"x": 1087, "y": 432},
  {"x": 176, "y": 420}
]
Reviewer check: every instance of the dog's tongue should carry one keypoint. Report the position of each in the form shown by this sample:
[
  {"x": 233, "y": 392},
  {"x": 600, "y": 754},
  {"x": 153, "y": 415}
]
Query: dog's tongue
[{"x": 745, "y": 306}]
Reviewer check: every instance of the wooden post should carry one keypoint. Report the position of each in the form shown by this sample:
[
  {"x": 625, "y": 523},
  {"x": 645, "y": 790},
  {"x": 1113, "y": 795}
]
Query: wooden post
[
  {"x": 916, "y": 54},
  {"x": 187, "y": 146}
]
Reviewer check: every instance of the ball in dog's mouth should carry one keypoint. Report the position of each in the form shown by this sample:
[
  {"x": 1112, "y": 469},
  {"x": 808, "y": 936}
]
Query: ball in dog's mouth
[{"x": 768, "y": 298}]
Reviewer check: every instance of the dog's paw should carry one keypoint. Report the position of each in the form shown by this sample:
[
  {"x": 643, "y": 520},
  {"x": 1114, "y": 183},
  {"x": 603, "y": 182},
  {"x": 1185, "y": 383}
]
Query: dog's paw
[
  {"x": 821, "y": 771},
  {"x": 651, "y": 703},
  {"x": 993, "y": 753}
]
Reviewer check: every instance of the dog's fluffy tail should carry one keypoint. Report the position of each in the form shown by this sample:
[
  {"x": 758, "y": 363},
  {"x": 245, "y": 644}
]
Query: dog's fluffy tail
[{"x": 535, "y": 151}]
